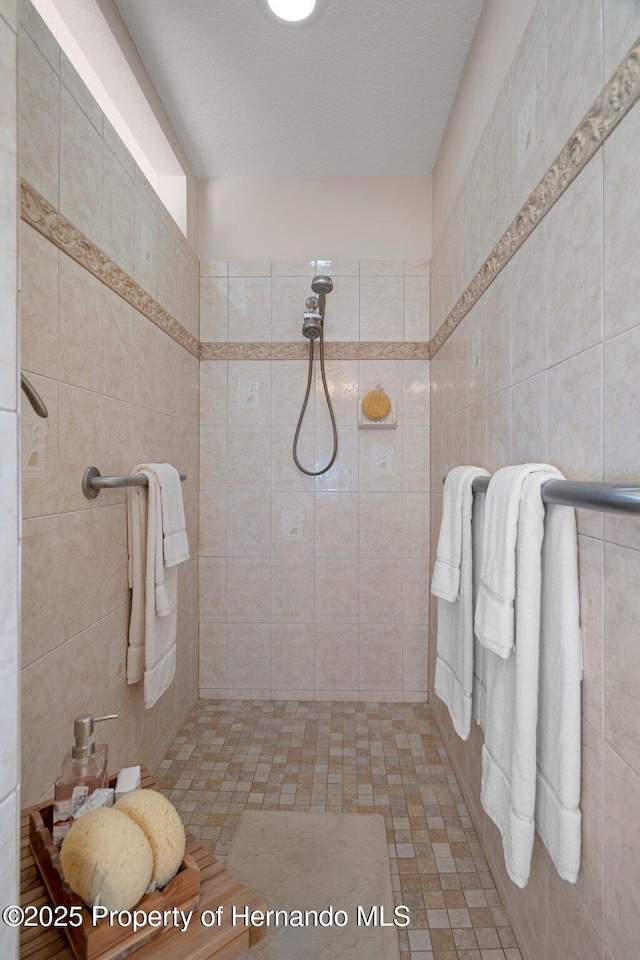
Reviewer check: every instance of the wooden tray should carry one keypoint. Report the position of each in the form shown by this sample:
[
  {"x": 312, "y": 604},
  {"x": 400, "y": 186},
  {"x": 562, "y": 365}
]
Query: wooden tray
[{"x": 103, "y": 941}]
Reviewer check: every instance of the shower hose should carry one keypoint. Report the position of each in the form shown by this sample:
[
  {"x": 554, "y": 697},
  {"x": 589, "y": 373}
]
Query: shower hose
[{"x": 316, "y": 473}]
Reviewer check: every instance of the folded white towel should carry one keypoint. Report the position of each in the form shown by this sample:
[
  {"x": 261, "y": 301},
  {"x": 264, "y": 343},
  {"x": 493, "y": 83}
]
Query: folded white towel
[
  {"x": 452, "y": 583},
  {"x": 151, "y": 653},
  {"x": 175, "y": 544},
  {"x": 494, "y": 617},
  {"x": 531, "y": 754},
  {"x": 479, "y": 682},
  {"x": 508, "y": 792},
  {"x": 457, "y": 499},
  {"x": 558, "y": 817}
]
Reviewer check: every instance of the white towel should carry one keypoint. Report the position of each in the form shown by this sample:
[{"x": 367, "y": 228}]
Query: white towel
[
  {"x": 558, "y": 817},
  {"x": 175, "y": 544},
  {"x": 532, "y": 716},
  {"x": 508, "y": 792},
  {"x": 452, "y": 583},
  {"x": 479, "y": 681},
  {"x": 151, "y": 652},
  {"x": 495, "y": 614}
]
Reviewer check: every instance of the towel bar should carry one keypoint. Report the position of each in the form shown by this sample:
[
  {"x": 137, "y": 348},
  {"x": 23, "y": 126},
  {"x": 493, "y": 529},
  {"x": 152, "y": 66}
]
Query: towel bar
[
  {"x": 586, "y": 494},
  {"x": 93, "y": 482}
]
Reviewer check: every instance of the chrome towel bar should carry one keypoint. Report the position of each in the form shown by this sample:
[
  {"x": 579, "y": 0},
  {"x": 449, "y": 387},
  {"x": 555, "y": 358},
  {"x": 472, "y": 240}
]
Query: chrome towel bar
[
  {"x": 586, "y": 494},
  {"x": 93, "y": 482}
]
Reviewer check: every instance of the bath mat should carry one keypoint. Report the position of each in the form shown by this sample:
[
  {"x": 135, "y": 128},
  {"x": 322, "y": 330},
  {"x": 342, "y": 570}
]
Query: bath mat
[{"x": 311, "y": 861}]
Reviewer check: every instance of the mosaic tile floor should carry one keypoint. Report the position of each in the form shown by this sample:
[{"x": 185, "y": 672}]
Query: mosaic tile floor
[{"x": 232, "y": 756}]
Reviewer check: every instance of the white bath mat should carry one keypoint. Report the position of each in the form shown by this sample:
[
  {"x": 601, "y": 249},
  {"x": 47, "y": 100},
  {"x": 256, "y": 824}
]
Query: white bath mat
[{"x": 311, "y": 861}]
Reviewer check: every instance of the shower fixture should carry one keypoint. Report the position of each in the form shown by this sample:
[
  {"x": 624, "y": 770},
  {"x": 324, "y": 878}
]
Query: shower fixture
[
  {"x": 322, "y": 285},
  {"x": 312, "y": 320},
  {"x": 313, "y": 329}
]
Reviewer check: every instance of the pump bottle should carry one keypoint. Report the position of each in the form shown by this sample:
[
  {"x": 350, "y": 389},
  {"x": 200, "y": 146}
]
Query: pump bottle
[{"x": 84, "y": 770}]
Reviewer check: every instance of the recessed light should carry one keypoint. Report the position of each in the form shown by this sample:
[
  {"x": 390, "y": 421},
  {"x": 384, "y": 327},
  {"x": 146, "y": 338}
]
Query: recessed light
[
  {"x": 292, "y": 10},
  {"x": 292, "y": 13}
]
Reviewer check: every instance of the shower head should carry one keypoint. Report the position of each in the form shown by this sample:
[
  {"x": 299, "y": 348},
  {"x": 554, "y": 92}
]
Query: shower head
[
  {"x": 311, "y": 328},
  {"x": 312, "y": 319},
  {"x": 322, "y": 285}
]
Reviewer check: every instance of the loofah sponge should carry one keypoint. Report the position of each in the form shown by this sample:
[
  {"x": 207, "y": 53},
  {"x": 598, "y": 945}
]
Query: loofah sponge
[
  {"x": 376, "y": 404},
  {"x": 162, "y": 826},
  {"x": 107, "y": 860}
]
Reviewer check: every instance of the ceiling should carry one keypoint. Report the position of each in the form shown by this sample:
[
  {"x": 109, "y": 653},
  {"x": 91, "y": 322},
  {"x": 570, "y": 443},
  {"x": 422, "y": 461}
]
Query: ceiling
[{"x": 364, "y": 91}]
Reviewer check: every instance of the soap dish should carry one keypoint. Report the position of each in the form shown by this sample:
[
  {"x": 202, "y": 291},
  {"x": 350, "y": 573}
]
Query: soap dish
[{"x": 390, "y": 422}]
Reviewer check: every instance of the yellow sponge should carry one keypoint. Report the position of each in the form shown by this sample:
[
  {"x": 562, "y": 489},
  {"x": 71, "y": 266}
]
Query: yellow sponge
[
  {"x": 161, "y": 824},
  {"x": 107, "y": 860},
  {"x": 376, "y": 404}
]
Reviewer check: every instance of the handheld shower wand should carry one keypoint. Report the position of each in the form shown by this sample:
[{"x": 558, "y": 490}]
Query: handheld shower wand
[
  {"x": 322, "y": 286},
  {"x": 313, "y": 329}
]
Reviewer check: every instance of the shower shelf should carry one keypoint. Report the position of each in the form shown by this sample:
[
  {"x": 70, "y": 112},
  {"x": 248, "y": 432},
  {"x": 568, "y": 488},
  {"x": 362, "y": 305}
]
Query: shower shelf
[{"x": 389, "y": 423}]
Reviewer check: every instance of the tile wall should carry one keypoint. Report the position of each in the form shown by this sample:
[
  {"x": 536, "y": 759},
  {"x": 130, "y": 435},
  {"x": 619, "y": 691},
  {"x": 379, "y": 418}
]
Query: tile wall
[
  {"x": 309, "y": 589},
  {"x": 9, "y": 489},
  {"x": 119, "y": 392},
  {"x": 545, "y": 367}
]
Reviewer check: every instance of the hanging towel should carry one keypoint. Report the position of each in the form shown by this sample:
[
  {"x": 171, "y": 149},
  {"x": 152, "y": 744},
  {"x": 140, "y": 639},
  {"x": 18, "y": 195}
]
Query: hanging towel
[
  {"x": 529, "y": 711},
  {"x": 508, "y": 792},
  {"x": 495, "y": 609},
  {"x": 479, "y": 681},
  {"x": 558, "y": 817},
  {"x": 175, "y": 544},
  {"x": 151, "y": 653},
  {"x": 452, "y": 583}
]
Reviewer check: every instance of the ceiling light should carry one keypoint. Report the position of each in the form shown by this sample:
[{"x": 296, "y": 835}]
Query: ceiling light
[
  {"x": 292, "y": 13},
  {"x": 292, "y": 10}
]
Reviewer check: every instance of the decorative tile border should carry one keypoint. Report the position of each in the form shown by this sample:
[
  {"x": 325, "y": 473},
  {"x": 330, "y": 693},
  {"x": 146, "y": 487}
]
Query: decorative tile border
[
  {"x": 334, "y": 350},
  {"x": 43, "y": 217},
  {"x": 615, "y": 101}
]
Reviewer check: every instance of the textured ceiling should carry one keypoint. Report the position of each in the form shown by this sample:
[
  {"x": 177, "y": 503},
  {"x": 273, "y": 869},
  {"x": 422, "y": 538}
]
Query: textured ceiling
[{"x": 363, "y": 91}]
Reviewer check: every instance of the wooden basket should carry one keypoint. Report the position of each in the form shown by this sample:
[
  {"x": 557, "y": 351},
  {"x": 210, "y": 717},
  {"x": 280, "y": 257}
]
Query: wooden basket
[{"x": 103, "y": 941}]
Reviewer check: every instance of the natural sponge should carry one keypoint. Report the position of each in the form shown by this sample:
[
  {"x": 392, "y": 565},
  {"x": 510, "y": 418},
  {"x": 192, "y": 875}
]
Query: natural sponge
[
  {"x": 106, "y": 859},
  {"x": 162, "y": 826},
  {"x": 376, "y": 404}
]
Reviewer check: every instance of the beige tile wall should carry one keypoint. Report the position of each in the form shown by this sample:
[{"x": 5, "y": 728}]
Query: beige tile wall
[
  {"x": 9, "y": 486},
  {"x": 119, "y": 392},
  {"x": 545, "y": 367},
  {"x": 310, "y": 589},
  {"x": 73, "y": 157}
]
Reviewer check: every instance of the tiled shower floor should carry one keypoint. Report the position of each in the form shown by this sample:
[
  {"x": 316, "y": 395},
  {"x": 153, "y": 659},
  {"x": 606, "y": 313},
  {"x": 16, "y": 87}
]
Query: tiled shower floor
[{"x": 382, "y": 758}]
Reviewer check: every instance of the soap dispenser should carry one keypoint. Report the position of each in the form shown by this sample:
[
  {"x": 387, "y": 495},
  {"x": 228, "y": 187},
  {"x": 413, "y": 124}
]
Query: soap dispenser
[{"x": 84, "y": 770}]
